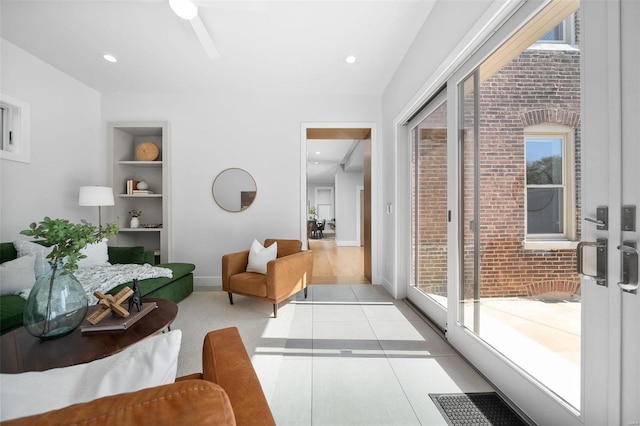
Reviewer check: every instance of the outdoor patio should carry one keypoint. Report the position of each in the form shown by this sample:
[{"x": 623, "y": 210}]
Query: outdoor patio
[{"x": 541, "y": 334}]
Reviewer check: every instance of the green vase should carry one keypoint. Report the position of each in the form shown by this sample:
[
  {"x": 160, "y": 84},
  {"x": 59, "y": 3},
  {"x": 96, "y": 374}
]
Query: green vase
[{"x": 57, "y": 305}]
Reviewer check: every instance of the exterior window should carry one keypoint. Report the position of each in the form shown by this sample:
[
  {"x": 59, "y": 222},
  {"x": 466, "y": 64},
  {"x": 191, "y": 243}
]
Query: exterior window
[
  {"x": 557, "y": 34},
  {"x": 15, "y": 141},
  {"x": 549, "y": 184},
  {"x": 562, "y": 34}
]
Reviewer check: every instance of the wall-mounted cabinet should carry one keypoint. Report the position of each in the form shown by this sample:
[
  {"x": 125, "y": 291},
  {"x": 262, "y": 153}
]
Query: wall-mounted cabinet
[{"x": 132, "y": 163}]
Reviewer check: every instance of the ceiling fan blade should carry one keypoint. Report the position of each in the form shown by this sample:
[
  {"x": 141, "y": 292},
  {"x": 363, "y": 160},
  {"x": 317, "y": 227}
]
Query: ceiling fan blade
[
  {"x": 205, "y": 39},
  {"x": 261, "y": 6}
]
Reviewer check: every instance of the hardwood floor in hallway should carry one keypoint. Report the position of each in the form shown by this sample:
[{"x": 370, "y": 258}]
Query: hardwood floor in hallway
[{"x": 337, "y": 265}]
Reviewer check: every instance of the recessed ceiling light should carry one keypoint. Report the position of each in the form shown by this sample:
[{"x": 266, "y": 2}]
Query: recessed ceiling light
[
  {"x": 184, "y": 9},
  {"x": 317, "y": 152},
  {"x": 110, "y": 58},
  {"x": 350, "y": 59},
  {"x": 317, "y": 162}
]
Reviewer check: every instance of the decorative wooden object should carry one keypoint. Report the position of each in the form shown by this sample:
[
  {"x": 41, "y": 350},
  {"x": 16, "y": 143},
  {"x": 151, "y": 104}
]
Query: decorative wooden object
[
  {"x": 147, "y": 151},
  {"x": 110, "y": 303}
]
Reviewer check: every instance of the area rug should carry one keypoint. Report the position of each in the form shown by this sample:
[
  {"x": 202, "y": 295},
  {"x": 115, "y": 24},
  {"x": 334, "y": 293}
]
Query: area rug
[{"x": 478, "y": 409}]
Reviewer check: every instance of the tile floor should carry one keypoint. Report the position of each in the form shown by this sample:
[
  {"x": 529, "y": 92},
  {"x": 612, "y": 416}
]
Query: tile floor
[{"x": 348, "y": 355}]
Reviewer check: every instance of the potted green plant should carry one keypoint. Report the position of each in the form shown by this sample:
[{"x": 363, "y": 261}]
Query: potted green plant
[
  {"x": 57, "y": 303},
  {"x": 312, "y": 213}
]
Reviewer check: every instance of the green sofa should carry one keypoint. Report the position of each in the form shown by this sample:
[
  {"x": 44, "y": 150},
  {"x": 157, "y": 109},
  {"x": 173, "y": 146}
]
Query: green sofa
[{"x": 176, "y": 288}]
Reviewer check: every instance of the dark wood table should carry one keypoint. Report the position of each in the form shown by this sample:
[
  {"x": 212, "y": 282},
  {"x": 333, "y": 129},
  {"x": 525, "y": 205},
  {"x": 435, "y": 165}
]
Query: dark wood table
[{"x": 20, "y": 351}]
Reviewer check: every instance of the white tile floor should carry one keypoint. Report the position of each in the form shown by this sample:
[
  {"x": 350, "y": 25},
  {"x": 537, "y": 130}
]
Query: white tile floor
[{"x": 352, "y": 355}]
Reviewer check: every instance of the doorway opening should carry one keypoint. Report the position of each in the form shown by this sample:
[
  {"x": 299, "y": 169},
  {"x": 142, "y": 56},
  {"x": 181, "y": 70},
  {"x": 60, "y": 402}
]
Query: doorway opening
[{"x": 336, "y": 171}]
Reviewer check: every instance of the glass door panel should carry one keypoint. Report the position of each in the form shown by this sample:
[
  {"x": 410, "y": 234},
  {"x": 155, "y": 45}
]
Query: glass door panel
[
  {"x": 429, "y": 205},
  {"x": 519, "y": 131},
  {"x": 469, "y": 312}
]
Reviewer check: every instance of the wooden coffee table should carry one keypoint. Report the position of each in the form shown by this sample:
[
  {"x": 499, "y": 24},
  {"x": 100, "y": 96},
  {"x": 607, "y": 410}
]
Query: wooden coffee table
[{"x": 20, "y": 351}]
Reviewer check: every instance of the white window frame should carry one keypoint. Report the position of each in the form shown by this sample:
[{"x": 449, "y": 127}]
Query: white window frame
[
  {"x": 566, "y": 240},
  {"x": 16, "y": 129},
  {"x": 568, "y": 41}
]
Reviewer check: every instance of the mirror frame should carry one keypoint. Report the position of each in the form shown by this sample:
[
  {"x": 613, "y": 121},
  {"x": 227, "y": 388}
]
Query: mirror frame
[{"x": 249, "y": 199}]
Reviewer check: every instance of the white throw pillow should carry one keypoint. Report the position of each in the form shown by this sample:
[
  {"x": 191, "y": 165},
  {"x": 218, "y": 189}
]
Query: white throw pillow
[
  {"x": 17, "y": 274},
  {"x": 97, "y": 255},
  {"x": 259, "y": 256},
  {"x": 149, "y": 363},
  {"x": 24, "y": 247}
]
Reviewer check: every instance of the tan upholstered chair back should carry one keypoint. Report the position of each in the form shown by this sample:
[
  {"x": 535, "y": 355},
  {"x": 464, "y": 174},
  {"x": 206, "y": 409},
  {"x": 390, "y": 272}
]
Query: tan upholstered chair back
[{"x": 285, "y": 247}]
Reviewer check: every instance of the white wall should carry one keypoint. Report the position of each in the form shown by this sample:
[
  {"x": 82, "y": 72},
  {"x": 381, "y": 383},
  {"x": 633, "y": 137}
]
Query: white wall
[
  {"x": 213, "y": 131},
  {"x": 355, "y": 162},
  {"x": 346, "y": 207},
  {"x": 67, "y": 150},
  {"x": 417, "y": 77}
]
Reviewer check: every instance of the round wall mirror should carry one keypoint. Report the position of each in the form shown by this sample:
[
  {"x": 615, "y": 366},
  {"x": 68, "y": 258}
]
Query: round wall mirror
[{"x": 234, "y": 189}]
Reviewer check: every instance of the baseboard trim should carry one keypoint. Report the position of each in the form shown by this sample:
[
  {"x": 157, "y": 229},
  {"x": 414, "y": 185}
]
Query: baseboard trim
[
  {"x": 343, "y": 243},
  {"x": 390, "y": 288},
  {"x": 207, "y": 283}
]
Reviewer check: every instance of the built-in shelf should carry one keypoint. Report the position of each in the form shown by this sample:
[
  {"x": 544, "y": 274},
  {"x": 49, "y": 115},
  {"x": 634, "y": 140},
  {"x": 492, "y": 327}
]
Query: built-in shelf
[
  {"x": 141, "y": 163},
  {"x": 140, "y": 195},
  {"x": 125, "y": 137}
]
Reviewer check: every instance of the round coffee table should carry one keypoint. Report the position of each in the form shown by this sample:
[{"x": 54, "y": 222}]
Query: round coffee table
[{"x": 20, "y": 351}]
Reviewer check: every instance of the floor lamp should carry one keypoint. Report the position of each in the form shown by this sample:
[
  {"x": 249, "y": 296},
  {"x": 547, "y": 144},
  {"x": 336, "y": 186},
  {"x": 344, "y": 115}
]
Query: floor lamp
[{"x": 96, "y": 196}]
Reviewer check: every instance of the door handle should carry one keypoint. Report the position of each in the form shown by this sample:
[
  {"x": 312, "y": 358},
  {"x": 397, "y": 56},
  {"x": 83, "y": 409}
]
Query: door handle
[
  {"x": 601, "y": 260},
  {"x": 602, "y": 218},
  {"x": 629, "y": 283}
]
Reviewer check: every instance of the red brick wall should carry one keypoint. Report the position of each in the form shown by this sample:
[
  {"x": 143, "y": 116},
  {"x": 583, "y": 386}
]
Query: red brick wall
[
  {"x": 431, "y": 221},
  {"x": 537, "y": 87}
]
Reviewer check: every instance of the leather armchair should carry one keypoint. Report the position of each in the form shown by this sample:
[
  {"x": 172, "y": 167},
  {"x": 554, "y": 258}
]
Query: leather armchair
[
  {"x": 227, "y": 392},
  {"x": 286, "y": 275}
]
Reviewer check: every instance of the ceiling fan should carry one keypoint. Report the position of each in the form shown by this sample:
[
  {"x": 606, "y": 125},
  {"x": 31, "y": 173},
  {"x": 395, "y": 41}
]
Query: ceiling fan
[{"x": 187, "y": 10}]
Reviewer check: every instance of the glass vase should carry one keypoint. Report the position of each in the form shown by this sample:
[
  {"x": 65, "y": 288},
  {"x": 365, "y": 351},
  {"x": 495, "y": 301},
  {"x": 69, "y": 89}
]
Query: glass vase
[{"x": 57, "y": 304}]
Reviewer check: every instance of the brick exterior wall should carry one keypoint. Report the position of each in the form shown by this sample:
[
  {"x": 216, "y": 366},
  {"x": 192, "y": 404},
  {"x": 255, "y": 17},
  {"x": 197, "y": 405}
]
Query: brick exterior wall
[
  {"x": 432, "y": 221},
  {"x": 537, "y": 87}
]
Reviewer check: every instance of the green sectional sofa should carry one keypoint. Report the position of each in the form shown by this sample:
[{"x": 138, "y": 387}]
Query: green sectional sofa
[{"x": 176, "y": 288}]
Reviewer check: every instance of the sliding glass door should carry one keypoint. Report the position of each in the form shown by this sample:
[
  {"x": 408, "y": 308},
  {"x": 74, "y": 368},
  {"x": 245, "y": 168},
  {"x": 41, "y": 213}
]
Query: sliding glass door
[
  {"x": 429, "y": 214},
  {"x": 541, "y": 148},
  {"x": 520, "y": 141}
]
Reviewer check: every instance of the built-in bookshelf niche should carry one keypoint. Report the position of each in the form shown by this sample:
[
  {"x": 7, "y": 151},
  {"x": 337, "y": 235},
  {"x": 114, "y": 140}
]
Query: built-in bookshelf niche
[{"x": 141, "y": 154}]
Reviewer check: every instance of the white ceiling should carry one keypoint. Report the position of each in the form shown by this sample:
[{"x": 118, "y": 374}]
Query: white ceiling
[
  {"x": 265, "y": 46},
  {"x": 329, "y": 154},
  {"x": 274, "y": 47}
]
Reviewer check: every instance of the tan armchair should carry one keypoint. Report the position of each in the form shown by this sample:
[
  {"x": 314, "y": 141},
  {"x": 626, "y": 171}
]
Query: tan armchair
[
  {"x": 227, "y": 392},
  {"x": 289, "y": 273}
]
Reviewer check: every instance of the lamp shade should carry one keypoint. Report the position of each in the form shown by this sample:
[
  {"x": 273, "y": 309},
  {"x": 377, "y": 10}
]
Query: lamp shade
[{"x": 96, "y": 196}]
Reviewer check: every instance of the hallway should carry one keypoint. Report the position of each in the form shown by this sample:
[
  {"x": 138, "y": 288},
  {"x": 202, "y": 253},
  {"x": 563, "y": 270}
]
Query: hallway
[{"x": 337, "y": 265}]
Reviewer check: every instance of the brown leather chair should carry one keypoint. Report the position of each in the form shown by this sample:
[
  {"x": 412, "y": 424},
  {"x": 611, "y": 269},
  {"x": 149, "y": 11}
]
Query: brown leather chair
[
  {"x": 227, "y": 392},
  {"x": 286, "y": 275}
]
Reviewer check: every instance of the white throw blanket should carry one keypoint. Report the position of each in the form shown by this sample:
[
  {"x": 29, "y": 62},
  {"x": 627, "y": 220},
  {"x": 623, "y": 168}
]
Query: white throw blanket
[{"x": 104, "y": 278}]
